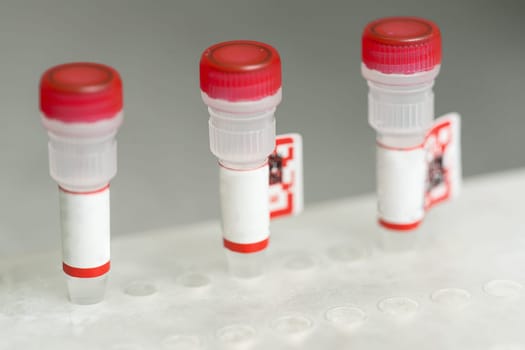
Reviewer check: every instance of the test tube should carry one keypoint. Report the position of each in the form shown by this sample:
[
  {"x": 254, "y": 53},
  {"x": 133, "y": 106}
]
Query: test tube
[
  {"x": 401, "y": 57},
  {"x": 81, "y": 106},
  {"x": 241, "y": 85}
]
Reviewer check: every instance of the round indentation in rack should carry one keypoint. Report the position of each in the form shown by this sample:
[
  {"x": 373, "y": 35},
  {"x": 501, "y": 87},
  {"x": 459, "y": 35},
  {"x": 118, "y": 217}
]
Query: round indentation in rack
[
  {"x": 345, "y": 253},
  {"x": 503, "y": 288},
  {"x": 452, "y": 298},
  {"x": 193, "y": 280},
  {"x": 181, "y": 342},
  {"x": 345, "y": 317},
  {"x": 399, "y": 307},
  {"x": 236, "y": 335},
  {"x": 140, "y": 289},
  {"x": 300, "y": 262},
  {"x": 292, "y": 325}
]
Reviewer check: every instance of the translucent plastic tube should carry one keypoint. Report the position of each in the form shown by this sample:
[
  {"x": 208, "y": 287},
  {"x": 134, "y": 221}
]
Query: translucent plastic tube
[
  {"x": 81, "y": 106},
  {"x": 401, "y": 58},
  {"x": 241, "y": 85}
]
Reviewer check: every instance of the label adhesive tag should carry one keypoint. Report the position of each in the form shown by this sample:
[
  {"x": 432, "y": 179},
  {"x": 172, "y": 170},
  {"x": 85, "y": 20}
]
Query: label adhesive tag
[
  {"x": 286, "y": 176},
  {"x": 443, "y": 156}
]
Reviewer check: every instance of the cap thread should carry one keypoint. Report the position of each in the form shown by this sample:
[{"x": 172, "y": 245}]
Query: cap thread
[
  {"x": 240, "y": 70},
  {"x": 81, "y": 92},
  {"x": 401, "y": 45}
]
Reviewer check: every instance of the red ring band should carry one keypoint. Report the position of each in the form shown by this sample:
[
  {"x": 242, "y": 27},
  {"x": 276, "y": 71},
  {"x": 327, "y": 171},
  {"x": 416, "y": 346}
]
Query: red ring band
[
  {"x": 86, "y": 272},
  {"x": 246, "y": 247}
]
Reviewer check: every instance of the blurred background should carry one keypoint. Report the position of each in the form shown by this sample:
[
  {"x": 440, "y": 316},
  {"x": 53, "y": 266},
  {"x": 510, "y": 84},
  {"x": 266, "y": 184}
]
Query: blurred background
[{"x": 167, "y": 175}]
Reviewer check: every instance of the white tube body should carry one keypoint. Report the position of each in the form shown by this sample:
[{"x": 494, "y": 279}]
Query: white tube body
[
  {"x": 401, "y": 178},
  {"x": 245, "y": 206},
  {"x": 85, "y": 226},
  {"x": 401, "y": 110}
]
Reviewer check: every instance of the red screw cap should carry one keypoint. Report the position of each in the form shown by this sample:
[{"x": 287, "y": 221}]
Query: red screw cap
[
  {"x": 401, "y": 45},
  {"x": 240, "y": 70},
  {"x": 80, "y": 92}
]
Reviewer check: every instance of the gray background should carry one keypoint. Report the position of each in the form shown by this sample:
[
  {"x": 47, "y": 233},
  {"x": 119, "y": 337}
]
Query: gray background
[{"x": 167, "y": 175}]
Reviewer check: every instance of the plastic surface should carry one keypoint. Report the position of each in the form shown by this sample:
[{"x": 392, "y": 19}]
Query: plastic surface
[
  {"x": 240, "y": 70},
  {"x": 326, "y": 285},
  {"x": 80, "y": 92},
  {"x": 241, "y": 85},
  {"x": 86, "y": 291},
  {"x": 82, "y": 164},
  {"x": 85, "y": 227},
  {"x": 242, "y": 141},
  {"x": 247, "y": 266},
  {"x": 403, "y": 108},
  {"x": 245, "y": 209},
  {"x": 401, "y": 183},
  {"x": 401, "y": 58},
  {"x": 417, "y": 173},
  {"x": 401, "y": 45},
  {"x": 81, "y": 105}
]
